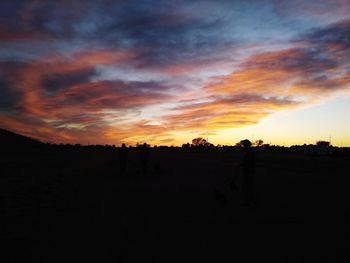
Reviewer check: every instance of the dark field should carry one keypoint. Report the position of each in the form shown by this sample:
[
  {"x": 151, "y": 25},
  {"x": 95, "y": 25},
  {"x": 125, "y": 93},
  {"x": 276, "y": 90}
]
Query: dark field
[{"x": 64, "y": 205}]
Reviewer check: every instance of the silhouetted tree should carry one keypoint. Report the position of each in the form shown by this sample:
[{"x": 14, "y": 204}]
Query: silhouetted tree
[
  {"x": 240, "y": 143},
  {"x": 143, "y": 145},
  {"x": 258, "y": 143},
  {"x": 186, "y": 145},
  {"x": 323, "y": 143},
  {"x": 199, "y": 142}
]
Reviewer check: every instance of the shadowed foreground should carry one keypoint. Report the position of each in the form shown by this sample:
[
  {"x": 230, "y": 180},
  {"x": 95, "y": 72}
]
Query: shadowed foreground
[{"x": 75, "y": 204}]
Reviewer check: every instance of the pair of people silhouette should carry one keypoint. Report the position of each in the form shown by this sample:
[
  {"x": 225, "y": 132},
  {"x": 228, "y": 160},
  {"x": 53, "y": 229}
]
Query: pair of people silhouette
[
  {"x": 247, "y": 166},
  {"x": 143, "y": 155}
]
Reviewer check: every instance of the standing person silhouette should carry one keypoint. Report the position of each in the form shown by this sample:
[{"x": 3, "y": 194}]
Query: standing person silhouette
[
  {"x": 248, "y": 168},
  {"x": 123, "y": 157},
  {"x": 144, "y": 157}
]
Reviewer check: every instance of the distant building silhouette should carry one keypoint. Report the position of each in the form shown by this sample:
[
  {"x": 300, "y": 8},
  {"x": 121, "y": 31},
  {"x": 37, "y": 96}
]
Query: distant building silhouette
[{"x": 321, "y": 148}]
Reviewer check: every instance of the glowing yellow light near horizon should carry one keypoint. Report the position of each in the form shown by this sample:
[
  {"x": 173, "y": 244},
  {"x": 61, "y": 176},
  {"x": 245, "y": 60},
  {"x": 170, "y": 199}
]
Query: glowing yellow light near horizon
[
  {"x": 322, "y": 122},
  {"x": 305, "y": 125}
]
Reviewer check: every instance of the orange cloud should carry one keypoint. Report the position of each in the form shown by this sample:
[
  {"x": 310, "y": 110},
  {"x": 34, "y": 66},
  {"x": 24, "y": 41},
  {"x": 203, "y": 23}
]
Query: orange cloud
[
  {"x": 60, "y": 99},
  {"x": 30, "y": 77},
  {"x": 266, "y": 83},
  {"x": 60, "y": 102}
]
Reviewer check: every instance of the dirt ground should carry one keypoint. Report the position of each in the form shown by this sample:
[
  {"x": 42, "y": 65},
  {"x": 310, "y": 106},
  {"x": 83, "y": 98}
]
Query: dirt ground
[{"x": 75, "y": 205}]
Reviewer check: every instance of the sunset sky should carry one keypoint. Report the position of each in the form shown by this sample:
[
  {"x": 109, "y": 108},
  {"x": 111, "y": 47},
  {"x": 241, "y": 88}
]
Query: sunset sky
[{"x": 165, "y": 72}]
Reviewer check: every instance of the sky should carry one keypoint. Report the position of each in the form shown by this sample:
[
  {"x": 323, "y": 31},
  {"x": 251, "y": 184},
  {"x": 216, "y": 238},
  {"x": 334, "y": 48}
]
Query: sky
[{"x": 165, "y": 72}]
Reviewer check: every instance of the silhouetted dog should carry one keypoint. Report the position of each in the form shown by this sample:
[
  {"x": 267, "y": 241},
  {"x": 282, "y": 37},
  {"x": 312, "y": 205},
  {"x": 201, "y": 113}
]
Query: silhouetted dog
[
  {"x": 220, "y": 197},
  {"x": 233, "y": 187},
  {"x": 156, "y": 168}
]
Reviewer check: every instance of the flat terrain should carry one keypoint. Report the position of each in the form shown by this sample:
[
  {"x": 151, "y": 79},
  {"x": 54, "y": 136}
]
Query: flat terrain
[{"x": 74, "y": 204}]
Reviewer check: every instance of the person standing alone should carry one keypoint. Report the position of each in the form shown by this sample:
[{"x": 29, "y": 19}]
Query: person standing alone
[
  {"x": 144, "y": 157},
  {"x": 123, "y": 157},
  {"x": 248, "y": 168}
]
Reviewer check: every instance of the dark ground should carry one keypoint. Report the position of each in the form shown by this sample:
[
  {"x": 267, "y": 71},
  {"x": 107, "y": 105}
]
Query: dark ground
[{"x": 66, "y": 205}]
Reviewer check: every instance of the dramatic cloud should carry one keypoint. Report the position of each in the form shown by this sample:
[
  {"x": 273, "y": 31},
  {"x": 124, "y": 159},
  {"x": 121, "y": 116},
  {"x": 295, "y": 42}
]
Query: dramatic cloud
[
  {"x": 273, "y": 81},
  {"x": 109, "y": 71}
]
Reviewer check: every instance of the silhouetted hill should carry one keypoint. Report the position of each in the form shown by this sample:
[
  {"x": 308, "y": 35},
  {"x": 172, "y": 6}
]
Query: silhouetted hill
[{"x": 11, "y": 140}]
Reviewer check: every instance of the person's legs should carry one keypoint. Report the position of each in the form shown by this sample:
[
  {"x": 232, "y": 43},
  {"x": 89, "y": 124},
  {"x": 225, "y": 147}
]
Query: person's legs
[
  {"x": 233, "y": 187},
  {"x": 144, "y": 166},
  {"x": 122, "y": 167},
  {"x": 248, "y": 189}
]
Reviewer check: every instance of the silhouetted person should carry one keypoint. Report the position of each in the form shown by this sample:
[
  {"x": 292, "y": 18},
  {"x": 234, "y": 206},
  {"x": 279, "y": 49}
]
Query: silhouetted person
[
  {"x": 248, "y": 168},
  {"x": 144, "y": 157},
  {"x": 123, "y": 157},
  {"x": 156, "y": 168}
]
